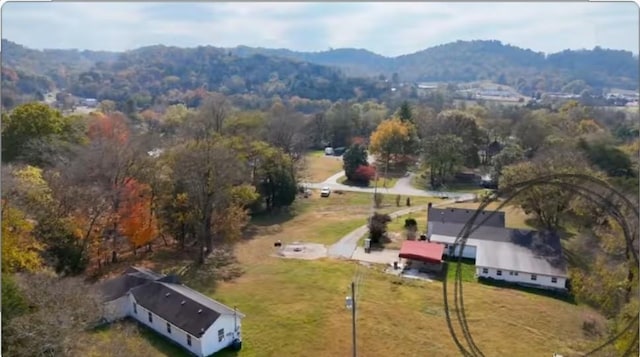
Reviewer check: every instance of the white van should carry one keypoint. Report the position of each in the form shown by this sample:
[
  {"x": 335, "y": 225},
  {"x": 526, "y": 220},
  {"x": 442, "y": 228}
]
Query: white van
[{"x": 328, "y": 151}]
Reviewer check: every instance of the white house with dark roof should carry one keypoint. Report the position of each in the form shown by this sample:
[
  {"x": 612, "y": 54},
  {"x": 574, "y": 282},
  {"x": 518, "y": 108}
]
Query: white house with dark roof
[
  {"x": 518, "y": 256},
  {"x": 190, "y": 319}
]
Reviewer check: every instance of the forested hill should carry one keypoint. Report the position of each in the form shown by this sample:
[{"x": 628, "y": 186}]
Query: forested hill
[
  {"x": 162, "y": 71},
  {"x": 478, "y": 60}
]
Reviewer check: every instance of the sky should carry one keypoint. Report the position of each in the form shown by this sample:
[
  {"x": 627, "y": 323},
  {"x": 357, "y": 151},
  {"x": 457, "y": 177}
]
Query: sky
[{"x": 389, "y": 29}]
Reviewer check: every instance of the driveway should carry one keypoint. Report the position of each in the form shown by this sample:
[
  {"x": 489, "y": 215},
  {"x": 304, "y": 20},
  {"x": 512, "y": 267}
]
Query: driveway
[{"x": 345, "y": 247}]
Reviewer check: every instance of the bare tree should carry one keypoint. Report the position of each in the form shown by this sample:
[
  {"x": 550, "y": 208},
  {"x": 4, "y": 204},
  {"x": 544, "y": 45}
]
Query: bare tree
[
  {"x": 211, "y": 117},
  {"x": 207, "y": 170},
  {"x": 59, "y": 311},
  {"x": 286, "y": 130}
]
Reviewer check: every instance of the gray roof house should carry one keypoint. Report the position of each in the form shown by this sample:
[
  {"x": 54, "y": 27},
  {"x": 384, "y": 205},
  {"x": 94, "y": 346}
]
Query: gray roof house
[
  {"x": 518, "y": 256},
  {"x": 190, "y": 319}
]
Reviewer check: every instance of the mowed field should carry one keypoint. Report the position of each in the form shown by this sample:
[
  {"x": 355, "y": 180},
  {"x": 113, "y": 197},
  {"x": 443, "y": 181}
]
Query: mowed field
[
  {"x": 318, "y": 167},
  {"x": 296, "y": 308}
]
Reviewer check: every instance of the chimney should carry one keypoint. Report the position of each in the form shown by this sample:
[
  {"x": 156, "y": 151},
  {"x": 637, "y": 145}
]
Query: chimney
[{"x": 429, "y": 206}]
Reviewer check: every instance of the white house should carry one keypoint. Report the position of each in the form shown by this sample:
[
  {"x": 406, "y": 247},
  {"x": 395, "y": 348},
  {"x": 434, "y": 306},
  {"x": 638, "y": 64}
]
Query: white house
[
  {"x": 523, "y": 257},
  {"x": 192, "y": 320}
]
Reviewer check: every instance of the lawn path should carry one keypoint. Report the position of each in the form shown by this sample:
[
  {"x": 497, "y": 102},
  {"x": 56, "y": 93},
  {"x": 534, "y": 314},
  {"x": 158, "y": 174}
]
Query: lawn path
[{"x": 345, "y": 247}]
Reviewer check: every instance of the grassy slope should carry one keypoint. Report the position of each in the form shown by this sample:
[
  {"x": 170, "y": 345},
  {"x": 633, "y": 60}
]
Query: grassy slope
[
  {"x": 296, "y": 308},
  {"x": 320, "y": 167}
]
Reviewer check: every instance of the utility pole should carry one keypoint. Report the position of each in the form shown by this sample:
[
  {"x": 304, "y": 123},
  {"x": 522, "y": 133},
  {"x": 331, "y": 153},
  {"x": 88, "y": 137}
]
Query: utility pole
[{"x": 353, "y": 315}]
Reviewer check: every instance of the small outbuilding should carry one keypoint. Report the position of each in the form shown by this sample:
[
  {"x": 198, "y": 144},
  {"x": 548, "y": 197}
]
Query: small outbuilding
[{"x": 423, "y": 256}]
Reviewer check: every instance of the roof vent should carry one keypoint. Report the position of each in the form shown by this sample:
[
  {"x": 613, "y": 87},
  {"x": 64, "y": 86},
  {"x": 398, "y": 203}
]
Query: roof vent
[
  {"x": 199, "y": 310},
  {"x": 167, "y": 294},
  {"x": 452, "y": 210},
  {"x": 467, "y": 211},
  {"x": 182, "y": 302}
]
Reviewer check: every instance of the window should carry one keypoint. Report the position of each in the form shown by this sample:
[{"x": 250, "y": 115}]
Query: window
[
  {"x": 554, "y": 280},
  {"x": 220, "y": 335},
  {"x": 168, "y": 327},
  {"x": 510, "y": 273},
  {"x": 189, "y": 340},
  {"x": 485, "y": 271},
  {"x": 150, "y": 318},
  {"x": 135, "y": 308},
  {"x": 499, "y": 272},
  {"x": 515, "y": 273},
  {"x": 534, "y": 277}
]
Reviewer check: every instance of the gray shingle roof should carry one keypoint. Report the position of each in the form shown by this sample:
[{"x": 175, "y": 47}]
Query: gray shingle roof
[
  {"x": 164, "y": 296},
  {"x": 181, "y": 311},
  {"x": 500, "y": 247},
  {"x": 462, "y": 216}
]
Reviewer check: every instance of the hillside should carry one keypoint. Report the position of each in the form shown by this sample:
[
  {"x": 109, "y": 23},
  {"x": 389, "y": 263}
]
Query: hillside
[
  {"x": 464, "y": 61},
  {"x": 169, "y": 72}
]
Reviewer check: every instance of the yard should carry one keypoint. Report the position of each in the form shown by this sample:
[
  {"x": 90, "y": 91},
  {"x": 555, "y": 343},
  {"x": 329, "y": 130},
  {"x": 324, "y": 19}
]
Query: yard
[
  {"x": 423, "y": 184},
  {"x": 383, "y": 182},
  {"x": 296, "y": 308},
  {"x": 318, "y": 167}
]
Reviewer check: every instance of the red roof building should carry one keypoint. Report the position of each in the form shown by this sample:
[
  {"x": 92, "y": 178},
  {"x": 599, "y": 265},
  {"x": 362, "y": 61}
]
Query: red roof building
[{"x": 427, "y": 252}]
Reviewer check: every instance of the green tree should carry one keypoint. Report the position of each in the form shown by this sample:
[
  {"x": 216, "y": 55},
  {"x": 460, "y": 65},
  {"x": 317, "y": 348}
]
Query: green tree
[
  {"x": 405, "y": 112},
  {"x": 28, "y": 122},
  {"x": 511, "y": 153},
  {"x": 549, "y": 203},
  {"x": 443, "y": 154},
  {"x": 279, "y": 186},
  {"x": 353, "y": 158},
  {"x": 464, "y": 126}
]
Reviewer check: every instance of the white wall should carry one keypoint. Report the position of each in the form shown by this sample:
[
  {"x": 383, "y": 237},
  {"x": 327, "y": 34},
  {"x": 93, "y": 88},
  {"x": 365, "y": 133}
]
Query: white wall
[
  {"x": 469, "y": 251},
  {"x": 210, "y": 341},
  {"x": 117, "y": 309},
  {"x": 522, "y": 278},
  {"x": 160, "y": 326}
]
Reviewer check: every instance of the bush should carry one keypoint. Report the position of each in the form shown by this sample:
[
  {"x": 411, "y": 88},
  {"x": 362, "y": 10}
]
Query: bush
[
  {"x": 378, "y": 227},
  {"x": 378, "y": 198},
  {"x": 363, "y": 175}
]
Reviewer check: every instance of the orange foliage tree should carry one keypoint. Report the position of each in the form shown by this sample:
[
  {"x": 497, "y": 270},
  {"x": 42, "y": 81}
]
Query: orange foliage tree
[
  {"x": 112, "y": 127},
  {"x": 137, "y": 220}
]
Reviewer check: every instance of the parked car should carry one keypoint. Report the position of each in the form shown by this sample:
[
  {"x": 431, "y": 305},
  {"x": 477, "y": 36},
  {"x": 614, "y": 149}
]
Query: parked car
[
  {"x": 325, "y": 191},
  {"x": 328, "y": 151}
]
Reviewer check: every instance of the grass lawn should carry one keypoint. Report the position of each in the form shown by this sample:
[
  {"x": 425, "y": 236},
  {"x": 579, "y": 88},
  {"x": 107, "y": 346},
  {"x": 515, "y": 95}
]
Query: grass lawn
[
  {"x": 296, "y": 307},
  {"x": 422, "y": 184},
  {"x": 318, "y": 167},
  {"x": 389, "y": 182}
]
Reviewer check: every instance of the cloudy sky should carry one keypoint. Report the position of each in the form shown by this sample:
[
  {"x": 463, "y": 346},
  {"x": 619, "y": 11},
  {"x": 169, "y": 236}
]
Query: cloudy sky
[{"x": 389, "y": 29}]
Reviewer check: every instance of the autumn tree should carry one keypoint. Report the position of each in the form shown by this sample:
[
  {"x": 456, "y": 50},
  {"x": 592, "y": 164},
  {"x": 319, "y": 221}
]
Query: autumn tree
[
  {"x": 353, "y": 158},
  {"x": 137, "y": 219},
  {"x": 20, "y": 250},
  {"x": 389, "y": 140},
  {"x": 207, "y": 170}
]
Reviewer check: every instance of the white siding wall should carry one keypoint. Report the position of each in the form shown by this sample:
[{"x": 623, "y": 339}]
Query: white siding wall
[
  {"x": 469, "y": 251},
  {"x": 117, "y": 309},
  {"x": 520, "y": 277},
  {"x": 210, "y": 341},
  {"x": 160, "y": 325}
]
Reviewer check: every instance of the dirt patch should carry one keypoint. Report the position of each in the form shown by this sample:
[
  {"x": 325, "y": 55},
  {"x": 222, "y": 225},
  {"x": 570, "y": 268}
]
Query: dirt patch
[{"x": 301, "y": 250}]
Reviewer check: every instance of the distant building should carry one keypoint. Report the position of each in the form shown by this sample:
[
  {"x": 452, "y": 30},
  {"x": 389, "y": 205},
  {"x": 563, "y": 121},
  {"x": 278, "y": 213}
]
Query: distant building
[{"x": 89, "y": 102}]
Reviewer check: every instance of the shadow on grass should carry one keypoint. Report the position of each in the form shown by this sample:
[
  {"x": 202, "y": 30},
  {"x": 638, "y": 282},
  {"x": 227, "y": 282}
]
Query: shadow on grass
[
  {"x": 559, "y": 295},
  {"x": 164, "y": 345}
]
